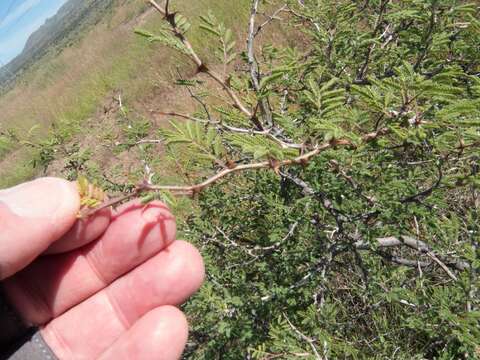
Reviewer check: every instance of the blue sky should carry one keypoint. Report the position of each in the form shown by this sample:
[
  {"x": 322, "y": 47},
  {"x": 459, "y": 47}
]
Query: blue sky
[{"x": 18, "y": 20}]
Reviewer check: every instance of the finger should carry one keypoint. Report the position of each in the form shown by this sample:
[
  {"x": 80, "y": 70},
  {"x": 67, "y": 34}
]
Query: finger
[
  {"x": 160, "y": 334},
  {"x": 32, "y": 216},
  {"x": 53, "y": 284},
  {"x": 90, "y": 328},
  {"x": 83, "y": 232}
]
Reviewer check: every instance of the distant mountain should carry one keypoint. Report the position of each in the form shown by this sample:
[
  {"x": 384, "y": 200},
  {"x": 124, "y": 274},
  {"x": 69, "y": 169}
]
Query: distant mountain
[{"x": 73, "y": 16}]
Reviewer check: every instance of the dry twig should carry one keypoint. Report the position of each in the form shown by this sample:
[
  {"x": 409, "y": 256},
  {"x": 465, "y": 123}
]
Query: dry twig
[{"x": 309, "y": 340}]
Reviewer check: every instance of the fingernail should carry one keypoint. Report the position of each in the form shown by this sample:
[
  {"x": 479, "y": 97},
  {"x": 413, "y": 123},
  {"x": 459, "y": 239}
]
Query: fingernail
[{"x": 45, "y": 197}]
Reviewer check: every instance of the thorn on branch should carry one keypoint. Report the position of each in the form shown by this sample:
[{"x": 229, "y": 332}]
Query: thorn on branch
[
  {"x": 231, "y": 164},
  {"x": 202, "y": 68},
  {"x": 170, "y": 17},
  {"x": 275, "y": 165},
  {"x": 304, "y": 162}
]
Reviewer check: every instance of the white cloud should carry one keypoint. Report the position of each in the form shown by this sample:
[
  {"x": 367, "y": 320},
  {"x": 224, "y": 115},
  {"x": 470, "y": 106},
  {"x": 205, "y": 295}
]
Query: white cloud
[{"x": 19, "y": 11}]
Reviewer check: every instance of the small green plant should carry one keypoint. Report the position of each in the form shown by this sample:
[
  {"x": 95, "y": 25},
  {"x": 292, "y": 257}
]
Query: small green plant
[
  {"x": 8, "y": 139},
  {"x": 91, "y": 196}
]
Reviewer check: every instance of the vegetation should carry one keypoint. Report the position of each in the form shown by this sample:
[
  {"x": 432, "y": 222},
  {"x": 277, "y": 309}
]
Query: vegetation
[
  {"x": 335, "y": 171},
  {"x": 55, "y": 85},
  {"x": 67, "y": 102},
  {"x": 58, "y": 32},
  {"x": 362, "y": 240}
]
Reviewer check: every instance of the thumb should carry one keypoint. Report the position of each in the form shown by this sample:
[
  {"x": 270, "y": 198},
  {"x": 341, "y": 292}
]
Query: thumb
[{"x": 32, "y": 216}]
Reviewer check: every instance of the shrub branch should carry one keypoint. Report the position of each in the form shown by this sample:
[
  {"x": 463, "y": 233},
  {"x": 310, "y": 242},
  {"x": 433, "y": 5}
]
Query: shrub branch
[
  {"x": 201, "y": 66},
  {"x": 192, "y": 190}
]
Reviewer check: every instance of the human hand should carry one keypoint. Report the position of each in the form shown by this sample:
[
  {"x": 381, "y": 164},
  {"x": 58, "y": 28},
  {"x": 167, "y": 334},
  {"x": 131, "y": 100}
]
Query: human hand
[{"x": 100, "y": 288}]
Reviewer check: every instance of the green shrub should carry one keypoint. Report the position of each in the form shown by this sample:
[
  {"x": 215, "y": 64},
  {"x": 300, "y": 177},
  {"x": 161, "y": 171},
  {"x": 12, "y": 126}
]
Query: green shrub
[{"x": 350, "y": 226}]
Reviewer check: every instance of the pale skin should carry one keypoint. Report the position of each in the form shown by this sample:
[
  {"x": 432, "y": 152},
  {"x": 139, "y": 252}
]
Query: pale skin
[{"x": 102, "y": 288}]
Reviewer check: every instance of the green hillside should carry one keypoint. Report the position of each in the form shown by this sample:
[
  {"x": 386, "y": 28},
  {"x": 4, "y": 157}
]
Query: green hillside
[{"x": 58, "y": 32}]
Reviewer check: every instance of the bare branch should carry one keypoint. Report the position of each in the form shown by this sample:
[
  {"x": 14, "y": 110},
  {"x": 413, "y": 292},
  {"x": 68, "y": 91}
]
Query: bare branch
[
  {"x": 250, "y": 46},
  {"x": 278, "y": 243},
  {"x": 283, "y": 102},
  {"x": 184, "y": 116},
  {"x": 148, "y": 141},
  {"x": 414, "y": 244},
  {"x": 310, "y": 341},
  {"x": 270, "y": 18},
  {"x": 402, "y": 261},
  {"x": 425, "y": 193},
  {"x": 378, "y": 21},
  {"x": 198, "y": 99},
  {"x": 254, "y": 68},
  {"x": 442, "y": 265},
  {"x": 392, "y": 242},
  {"x": 236, "y": 245},
  {"x": 303, "y": 17},
  {"x": 218, "y": 124},
  {"x": 383, "y": 242},
  {"x": 140, "y": 142}
]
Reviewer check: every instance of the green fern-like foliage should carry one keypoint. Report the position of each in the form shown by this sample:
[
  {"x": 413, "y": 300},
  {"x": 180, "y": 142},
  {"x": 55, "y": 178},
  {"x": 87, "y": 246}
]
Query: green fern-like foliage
[
  {"x": 196, "y": 138},
  {"x": 91, "y": 196},
  {"x": 165, "y": 37},
  {"x": 226, "y": 50},
  {"x": 390, "y": 92}
]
